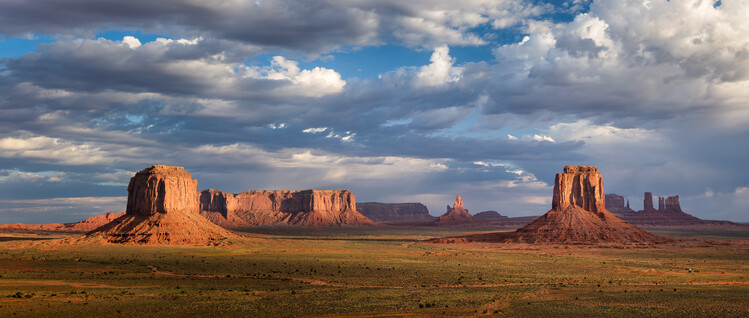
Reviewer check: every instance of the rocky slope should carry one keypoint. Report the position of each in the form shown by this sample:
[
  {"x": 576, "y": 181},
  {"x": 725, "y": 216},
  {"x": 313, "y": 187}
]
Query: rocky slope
[
  {"x": 395, "y": 212},
  {"x": 578, "y": 216},
  {"x": 83, "y": 226},
  {"x": 162, "y": 208},
  {"x": 312, "y": 208}
]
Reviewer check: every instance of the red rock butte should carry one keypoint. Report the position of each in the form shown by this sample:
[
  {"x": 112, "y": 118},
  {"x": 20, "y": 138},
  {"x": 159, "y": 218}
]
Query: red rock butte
[
  {"x": 578, "y": 216},
  {"x": 161, "y": 209},
  {"x": 456, "y": 215}
]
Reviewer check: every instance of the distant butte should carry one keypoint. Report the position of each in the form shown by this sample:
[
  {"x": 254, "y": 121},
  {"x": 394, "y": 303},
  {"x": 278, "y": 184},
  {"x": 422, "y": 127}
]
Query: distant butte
[
  {"x": 578, "y": 216},
  {"x": 395, "y": 213},
  {"x": 162, "y": 208},
  {"x": 456, "y": 215},
  {"x": 668, "y": 214}
]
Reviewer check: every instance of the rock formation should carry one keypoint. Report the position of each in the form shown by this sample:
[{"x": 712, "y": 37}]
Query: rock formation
[
  {"x": 578, "y": 216},
  {"x": 395, "y": 212},
  {"x": 162, "y": 208},
  {"x": 669, "y": 213},
  {"x": 647, "y": 202},
  {"x": 313, "y": 208},
  {"x": 491, "y": 215},
  {"x": 456, "y": 215},
  {"x": 615, "y": 204},
  {"x": 86, "y": 225}
]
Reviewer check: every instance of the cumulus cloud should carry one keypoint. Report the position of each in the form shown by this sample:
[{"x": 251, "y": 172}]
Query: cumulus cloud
[
  {"x": 174, "y": 67},
  {"x": 316, "y": 82},
  {"x": 629, "y": 58},
  {"x": 440, "y": 71}
]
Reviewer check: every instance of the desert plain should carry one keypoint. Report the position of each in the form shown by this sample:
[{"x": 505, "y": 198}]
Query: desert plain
[{"x": 378, "y": 271}]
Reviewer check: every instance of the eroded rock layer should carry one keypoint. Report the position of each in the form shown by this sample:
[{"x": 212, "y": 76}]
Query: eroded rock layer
[
  {"x": 161, "y": 209},
  {"x": 395, "y": 212},
  {"x": 314, "y": 208}
]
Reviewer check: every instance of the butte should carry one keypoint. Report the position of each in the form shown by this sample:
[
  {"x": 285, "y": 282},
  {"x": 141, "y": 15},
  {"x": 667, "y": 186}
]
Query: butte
[
  {"x": 162, "y": 208},
  {"x": 577, "y": 216}
]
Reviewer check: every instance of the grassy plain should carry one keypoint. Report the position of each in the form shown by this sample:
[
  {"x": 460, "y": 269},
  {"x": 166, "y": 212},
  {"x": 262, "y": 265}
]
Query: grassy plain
[{"x": 371, "y": 272}]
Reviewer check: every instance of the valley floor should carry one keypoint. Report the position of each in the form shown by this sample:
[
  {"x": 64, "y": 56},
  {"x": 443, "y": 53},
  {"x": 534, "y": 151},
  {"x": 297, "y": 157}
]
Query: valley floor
[{"x": 371, "y": 272}]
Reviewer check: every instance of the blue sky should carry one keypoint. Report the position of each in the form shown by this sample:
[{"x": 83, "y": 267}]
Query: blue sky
[{"x": 398, "y": 101}]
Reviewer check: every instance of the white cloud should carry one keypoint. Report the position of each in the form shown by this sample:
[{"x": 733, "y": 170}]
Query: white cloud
[
  {"x": 277, "y": 126},
  {"x": 17, "y": 175},
  {"x": 131, "y": 42},
  {"x": 511, "y": 137},
  {"x": 537, "y": 137},
  {"x": 54, "y": 150},
  {"x": 315, "y": 130},
  {"x": 316, "y": 82},
  {"x": 632, "y": 58},
  {"x": 440, "y": 71}
]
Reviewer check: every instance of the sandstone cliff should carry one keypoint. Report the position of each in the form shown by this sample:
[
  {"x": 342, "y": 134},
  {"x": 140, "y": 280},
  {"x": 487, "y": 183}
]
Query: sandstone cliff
[
  {"x": 578, "y": 216},
  {"x": 311, "y": 208},
  {"x": 395, "y": 212},
  {"x": 456, "y": 215},
  {"x": 161, "y": 209}
]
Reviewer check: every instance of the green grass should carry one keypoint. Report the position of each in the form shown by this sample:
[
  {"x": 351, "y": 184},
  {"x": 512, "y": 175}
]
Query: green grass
[{"x": 386, "y": 271}]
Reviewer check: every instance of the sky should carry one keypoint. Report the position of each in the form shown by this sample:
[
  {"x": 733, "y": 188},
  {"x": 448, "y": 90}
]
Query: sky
[{"x": 398, "y": 101}]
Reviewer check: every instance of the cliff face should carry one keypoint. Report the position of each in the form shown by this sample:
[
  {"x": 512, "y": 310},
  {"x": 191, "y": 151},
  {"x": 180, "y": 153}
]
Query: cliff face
[
  {"x": 395, "y": 212},
  {"x": 161, "y": 209},
  {"x": 265, "y": 207},
  {"x": 581, "y": 186},
  {"x": 161, "y": 189}
]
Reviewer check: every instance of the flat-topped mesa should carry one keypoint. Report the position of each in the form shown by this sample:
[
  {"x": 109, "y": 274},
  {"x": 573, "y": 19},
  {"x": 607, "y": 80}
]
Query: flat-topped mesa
[
  {"x": 581, "y": 186},
  {"x": 395, "y": 212},
  {"x": 162, "y": 208},
  {"x": 264, "y": 207},
  {"x": 161, "y": 189}
]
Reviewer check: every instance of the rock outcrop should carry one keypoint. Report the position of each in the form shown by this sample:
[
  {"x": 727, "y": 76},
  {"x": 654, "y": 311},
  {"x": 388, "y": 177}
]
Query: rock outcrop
[
  {"x": 86, "y": 225},
  {"x": 395, "y": 212},
  {"x": 456, "y": 215},
  {"x": 578, "y": 216},
  {"x": 162, "y": 208},
  {"x": 312, "y": 208}
]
